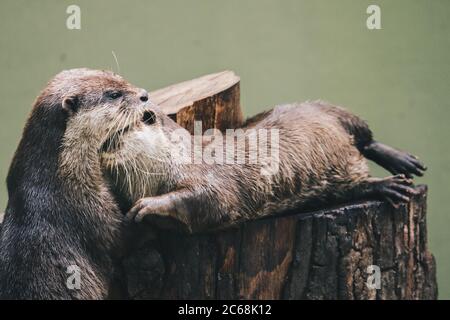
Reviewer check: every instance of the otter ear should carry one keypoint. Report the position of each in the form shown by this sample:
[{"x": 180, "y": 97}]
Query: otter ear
[{"x": 70, "y": 104}]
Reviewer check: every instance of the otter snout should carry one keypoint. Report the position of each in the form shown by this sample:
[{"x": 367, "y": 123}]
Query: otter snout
[
  {"x": 148, "y": 117},
  {"x": 143, "y": 95}
]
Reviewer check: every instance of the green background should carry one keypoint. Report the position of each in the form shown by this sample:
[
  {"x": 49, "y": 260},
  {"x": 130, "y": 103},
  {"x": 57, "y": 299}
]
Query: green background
[{"x": 396, "y": 78}]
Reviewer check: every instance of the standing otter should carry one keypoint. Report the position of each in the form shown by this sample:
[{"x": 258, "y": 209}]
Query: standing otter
[
  {"x": 321, "y": 148},
  {"x": 61, "y": 216}
]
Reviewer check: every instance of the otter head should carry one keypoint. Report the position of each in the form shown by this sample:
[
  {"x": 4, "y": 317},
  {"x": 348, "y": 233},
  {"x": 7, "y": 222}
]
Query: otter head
[
  {"x": 109, "y": 129},
  {"x": 88, "y": 125},
  {"x": 140, "y": 159},
  {"x": 99, "y": 108}
]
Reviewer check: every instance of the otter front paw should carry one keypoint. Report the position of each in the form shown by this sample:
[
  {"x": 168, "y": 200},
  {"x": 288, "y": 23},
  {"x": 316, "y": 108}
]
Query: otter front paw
[{"x": 159, "y": 213}]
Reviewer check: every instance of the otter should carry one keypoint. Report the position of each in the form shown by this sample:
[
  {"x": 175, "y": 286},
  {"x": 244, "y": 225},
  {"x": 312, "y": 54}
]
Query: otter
[
  {"x": 323, "y": 151},
  {"x": 62, "y": 216}
]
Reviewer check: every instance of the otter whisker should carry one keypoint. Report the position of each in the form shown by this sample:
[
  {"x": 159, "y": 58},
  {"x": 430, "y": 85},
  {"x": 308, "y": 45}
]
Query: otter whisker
[
  {"x": 117, "y": 61},
  {"x": 112, "y": 128},
  {"x": 128, "y": 180},
  {"x": 139, "y": 185},
  {"x": 115, "y": 170},
  {"x": 118, "y": 125},
  {"x": 136, "y": 151}
]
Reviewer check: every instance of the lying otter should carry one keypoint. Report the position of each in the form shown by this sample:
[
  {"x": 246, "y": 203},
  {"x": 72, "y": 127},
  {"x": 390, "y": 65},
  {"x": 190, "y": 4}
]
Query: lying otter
[
  {"x": 61, "y": 215},
  {"x": 322, "y": 151}
]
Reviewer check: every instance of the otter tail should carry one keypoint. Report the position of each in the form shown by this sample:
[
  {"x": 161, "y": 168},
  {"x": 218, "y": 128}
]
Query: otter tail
[{"x": 393, "y": 160}]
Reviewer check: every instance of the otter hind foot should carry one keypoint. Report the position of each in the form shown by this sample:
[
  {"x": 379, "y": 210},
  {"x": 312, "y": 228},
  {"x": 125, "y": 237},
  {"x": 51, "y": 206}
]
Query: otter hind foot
[
  {"x": 393, "y": 160},
  {"x": 395, "y": 189}
]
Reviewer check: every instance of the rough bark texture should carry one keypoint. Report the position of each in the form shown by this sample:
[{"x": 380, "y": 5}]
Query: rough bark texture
[{"x": 321, "y": 255}]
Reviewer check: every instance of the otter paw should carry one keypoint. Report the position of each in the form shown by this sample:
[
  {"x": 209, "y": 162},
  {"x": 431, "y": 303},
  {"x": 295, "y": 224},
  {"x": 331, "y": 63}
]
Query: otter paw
[
  {"x": 158, "y": 214},
  {"x": 397, "y": 189}
]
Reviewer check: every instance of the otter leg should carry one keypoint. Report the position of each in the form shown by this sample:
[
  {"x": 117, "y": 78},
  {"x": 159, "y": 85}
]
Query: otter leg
[
  {"x": 397, "y": 162},
  {"x": 167, "y": 211},
  {"x": 395, "y": 189},
  {"x": 394, "y": 160}
]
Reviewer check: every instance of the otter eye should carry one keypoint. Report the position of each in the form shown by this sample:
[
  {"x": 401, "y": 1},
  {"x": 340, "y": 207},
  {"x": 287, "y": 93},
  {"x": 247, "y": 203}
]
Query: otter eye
[{"x": 113, "y": 94}]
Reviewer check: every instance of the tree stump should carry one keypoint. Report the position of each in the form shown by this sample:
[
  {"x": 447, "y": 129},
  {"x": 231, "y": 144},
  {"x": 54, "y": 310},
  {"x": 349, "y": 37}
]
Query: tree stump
[
  {"x": 320, "y": 255},
  {"x": 329, "y": 254}
]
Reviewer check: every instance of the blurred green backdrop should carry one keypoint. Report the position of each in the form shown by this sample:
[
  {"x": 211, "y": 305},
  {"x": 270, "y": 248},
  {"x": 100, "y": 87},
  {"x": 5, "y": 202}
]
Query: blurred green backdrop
[{"x": 396, "y": 78}]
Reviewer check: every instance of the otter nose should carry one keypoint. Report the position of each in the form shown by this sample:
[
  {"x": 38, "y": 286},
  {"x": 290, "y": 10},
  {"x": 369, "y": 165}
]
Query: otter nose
[{"x": 143, "y": 96}]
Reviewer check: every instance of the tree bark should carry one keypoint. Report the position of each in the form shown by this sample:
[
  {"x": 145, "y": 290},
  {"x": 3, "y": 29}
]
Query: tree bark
[{"x": 319, "y": 255}]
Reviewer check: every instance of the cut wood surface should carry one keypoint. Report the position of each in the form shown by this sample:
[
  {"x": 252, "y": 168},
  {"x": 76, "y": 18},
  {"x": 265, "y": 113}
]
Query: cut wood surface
[{"x": 212, "y": 99}]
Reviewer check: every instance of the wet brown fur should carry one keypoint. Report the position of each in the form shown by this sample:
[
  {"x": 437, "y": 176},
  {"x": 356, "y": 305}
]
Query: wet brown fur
[{"x": 322, "y": 151}]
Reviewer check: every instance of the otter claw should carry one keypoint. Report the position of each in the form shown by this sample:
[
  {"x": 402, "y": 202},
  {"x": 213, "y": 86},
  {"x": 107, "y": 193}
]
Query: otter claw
[
  {"x": 158, "y": 214},
  {"x": 397, "y": 189},
  {"x": 136, "y": 211}
]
